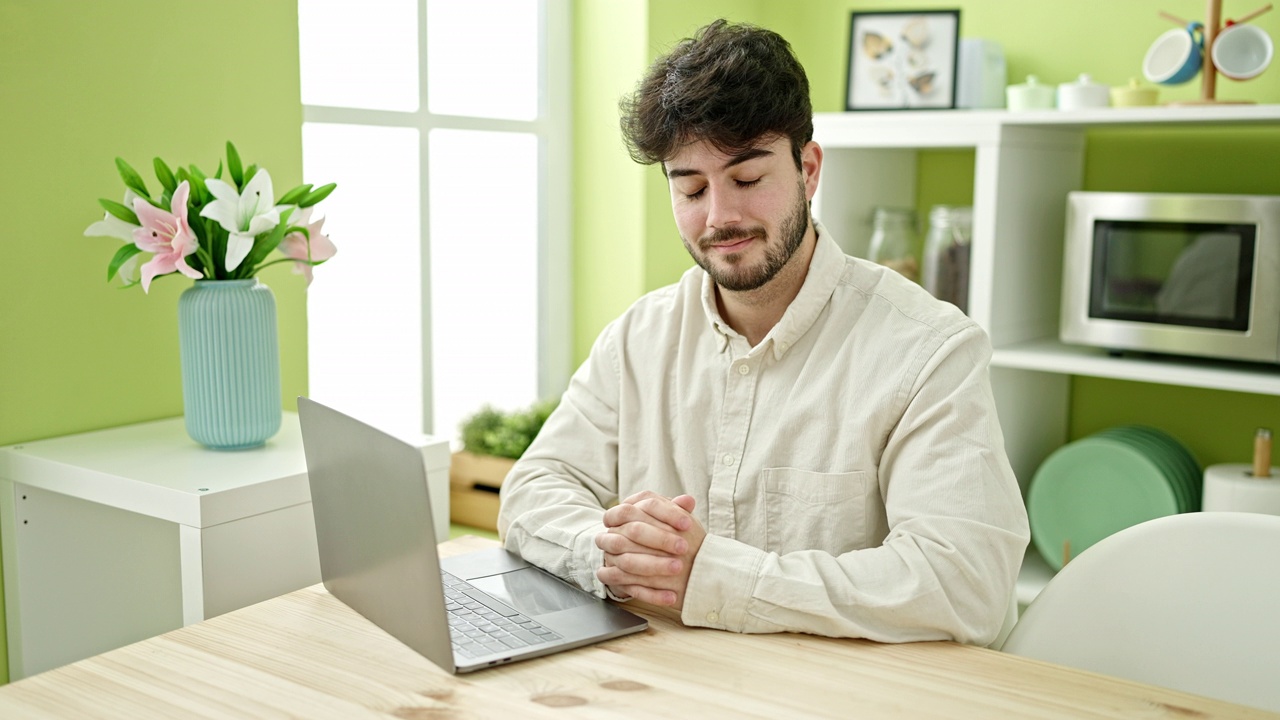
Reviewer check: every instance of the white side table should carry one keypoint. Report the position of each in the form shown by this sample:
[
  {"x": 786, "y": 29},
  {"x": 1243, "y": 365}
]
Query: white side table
[{"x": 117, "y": 535}]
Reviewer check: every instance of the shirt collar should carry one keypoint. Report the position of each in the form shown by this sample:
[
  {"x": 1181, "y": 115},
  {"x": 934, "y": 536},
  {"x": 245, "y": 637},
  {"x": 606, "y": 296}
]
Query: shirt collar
[{"x": 825, "y": 269}]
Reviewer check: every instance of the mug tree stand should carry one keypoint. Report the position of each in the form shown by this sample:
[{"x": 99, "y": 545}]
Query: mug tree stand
[{"x": 1209, "y": 71}]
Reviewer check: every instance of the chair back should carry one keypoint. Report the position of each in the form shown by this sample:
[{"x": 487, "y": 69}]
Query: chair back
[{"x": 1189, "y": 602}]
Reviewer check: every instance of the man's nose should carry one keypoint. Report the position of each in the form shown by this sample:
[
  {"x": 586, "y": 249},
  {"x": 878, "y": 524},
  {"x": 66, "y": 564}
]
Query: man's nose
[{"x": 723, "y": 208}]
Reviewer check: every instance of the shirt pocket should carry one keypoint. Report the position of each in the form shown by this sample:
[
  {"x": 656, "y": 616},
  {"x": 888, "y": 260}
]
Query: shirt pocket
[{"x": 807, "y": 510}]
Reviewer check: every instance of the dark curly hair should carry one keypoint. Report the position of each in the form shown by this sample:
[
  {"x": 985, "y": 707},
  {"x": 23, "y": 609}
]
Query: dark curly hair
[{"x": 729, "y": 84}]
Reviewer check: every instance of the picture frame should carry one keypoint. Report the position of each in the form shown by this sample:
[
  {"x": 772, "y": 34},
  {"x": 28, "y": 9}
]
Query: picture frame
[{"x": 902, "y": 60}]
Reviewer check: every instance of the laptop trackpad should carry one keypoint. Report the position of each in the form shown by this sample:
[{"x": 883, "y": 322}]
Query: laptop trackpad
[{"x": 532, "y": 592}]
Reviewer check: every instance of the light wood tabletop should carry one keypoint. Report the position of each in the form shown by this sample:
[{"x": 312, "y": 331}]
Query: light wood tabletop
[{"x": 306, "y": 654}]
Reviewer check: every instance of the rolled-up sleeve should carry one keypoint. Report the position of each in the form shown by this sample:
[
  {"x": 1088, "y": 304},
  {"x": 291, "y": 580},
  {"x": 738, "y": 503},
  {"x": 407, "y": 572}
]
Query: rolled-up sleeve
[{"x": 553, "y": 500}]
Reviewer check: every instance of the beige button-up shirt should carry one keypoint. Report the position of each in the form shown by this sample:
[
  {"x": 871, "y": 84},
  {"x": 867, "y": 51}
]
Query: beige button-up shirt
[{"x": 849, "y": 469}]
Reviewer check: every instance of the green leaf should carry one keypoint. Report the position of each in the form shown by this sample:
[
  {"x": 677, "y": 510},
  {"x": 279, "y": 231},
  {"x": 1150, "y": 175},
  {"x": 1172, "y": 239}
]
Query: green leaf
[
  {"x": 197, "y": 184},
  {"x": 132, "y": 179},
  {"x": 233, "y": 165},
  {"x": 165, "y": 176},
  {"x": 120, "y": 211},
  {"x": 122, "y": 256},
  {"x": 293, "y": 196},
  {"x": 249, "y": 172},
  {"x": 317, "y": 195}
]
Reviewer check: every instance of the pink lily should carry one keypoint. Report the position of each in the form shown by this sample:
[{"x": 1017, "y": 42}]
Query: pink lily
[
  {"x": 295, "y": 245},
  {"x": 166, "y": 234}
]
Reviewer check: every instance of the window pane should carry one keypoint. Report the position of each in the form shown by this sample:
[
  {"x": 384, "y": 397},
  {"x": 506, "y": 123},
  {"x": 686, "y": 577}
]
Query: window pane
[
  {"x": 484, "y": 268},
  {"x": 364, "y": 310},
  {"x": 482, "y": 58},
  {"x": 359, "y": 54}
]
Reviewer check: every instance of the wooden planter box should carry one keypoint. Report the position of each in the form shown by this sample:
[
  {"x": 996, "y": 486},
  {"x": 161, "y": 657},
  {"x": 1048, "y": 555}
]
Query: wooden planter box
[{"x": 474, "y": 482}]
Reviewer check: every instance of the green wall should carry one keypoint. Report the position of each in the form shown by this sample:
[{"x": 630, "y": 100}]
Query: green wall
[
  {"x": 1056, "y": 42},
  {"x": 80, "y": 83}
]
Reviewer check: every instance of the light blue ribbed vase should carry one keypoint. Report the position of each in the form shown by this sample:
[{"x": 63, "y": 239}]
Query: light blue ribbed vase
[{"x": 230, "y": 363}]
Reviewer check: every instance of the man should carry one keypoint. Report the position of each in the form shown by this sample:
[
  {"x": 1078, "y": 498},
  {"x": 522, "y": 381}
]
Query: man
[{"x": 788, "y": 439}]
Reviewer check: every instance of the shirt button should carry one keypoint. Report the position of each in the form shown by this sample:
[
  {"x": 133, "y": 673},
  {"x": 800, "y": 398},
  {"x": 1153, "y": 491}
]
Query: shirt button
[
  {"x": 743, "y": 369},
  {"x": 728, "y": 460},
  {"x": 783, "y": 347},
  {"x": 713, "y": 617}
]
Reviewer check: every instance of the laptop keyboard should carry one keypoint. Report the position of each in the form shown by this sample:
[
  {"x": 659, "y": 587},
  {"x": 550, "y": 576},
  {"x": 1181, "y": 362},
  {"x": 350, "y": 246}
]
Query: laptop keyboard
[{"x": 483, "y": 628}]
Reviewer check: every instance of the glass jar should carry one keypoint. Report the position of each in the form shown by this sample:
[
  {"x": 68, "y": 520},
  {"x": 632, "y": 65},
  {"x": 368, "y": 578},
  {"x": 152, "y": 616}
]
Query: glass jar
[
  {"x": 946, "y": 254},
  {"x": 892, "y": 241}
]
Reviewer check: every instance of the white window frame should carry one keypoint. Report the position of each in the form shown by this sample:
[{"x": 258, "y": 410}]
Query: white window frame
[{"x": 552, "y": 127}]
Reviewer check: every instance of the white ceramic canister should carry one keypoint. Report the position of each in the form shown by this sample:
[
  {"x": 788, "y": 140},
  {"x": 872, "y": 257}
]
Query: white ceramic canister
[
  {"x": 1029, "y": 96},
  {"x": 1083, "y": 93}
]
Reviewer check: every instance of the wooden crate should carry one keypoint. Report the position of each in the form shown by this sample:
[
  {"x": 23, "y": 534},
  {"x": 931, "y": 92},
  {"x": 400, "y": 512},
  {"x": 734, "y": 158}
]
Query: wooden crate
[{"x": 474, "y": 482}]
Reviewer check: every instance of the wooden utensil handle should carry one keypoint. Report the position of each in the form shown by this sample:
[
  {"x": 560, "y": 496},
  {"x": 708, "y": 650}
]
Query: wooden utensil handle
[{"x": 1262, "y": 453}]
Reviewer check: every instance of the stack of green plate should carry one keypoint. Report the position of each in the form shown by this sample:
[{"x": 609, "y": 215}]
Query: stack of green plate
[{"x": 1099, "y": 485}]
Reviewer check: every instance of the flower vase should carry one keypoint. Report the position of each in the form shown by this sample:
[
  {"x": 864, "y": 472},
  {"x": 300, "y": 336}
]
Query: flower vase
[{"x": 230, "y": 363}]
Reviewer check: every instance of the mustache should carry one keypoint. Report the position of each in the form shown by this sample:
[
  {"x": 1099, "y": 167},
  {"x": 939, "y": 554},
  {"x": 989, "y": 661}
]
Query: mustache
[{"x": 724, "y": 235}]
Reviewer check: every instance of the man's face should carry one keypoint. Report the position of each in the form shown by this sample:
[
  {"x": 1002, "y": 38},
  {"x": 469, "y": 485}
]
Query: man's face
[{"x": 742, "y": 216}]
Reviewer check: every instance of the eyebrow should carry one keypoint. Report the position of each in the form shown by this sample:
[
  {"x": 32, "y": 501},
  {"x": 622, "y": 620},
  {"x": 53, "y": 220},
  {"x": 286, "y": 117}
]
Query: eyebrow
[{"x": 744, "y": 156}]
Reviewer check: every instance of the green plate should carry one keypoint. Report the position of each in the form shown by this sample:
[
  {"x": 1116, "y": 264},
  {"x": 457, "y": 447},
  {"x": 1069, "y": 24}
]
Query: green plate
[
  {"x": 1192, "y": 472},
  {"x": 1159, "y": 454},
  {"x": 1090, "y": 489},
  {"x": 1187, "y": 468}
]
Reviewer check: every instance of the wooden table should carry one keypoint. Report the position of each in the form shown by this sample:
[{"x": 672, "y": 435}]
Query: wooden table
[{"x": 306, "y": 654}]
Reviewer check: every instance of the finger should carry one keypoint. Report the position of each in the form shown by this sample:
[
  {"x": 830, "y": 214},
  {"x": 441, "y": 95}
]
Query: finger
[
  {"x": 616, "y": 543},
  {"x": 686, "y": 502},
  {"x": 645, "y": 566},
  {"x": 620, "y": 515},
  {"x": 615, "y": 576},
  {"x": 645, "y": 594},
  {"x": 652, "y": 596},
  {"x": 662, "y": 540},
  {"x": 665, "y": 511},
  {"x": 632, "y": 500}
]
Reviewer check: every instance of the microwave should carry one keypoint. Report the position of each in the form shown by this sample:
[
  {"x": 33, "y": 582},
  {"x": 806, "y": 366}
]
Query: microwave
[{"x": 1195, "y": 275}]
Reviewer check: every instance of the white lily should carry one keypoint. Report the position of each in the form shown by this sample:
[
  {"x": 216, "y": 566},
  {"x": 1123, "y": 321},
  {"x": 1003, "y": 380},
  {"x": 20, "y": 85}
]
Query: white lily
[
  {"x": 244, "y": 215},
  {"x": 128, "y": 272},
  {"x": 112, "y": 226}
]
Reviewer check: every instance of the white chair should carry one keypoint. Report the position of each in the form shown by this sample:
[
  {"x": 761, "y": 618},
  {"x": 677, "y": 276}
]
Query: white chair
[{"x": 1189, "y": 602}]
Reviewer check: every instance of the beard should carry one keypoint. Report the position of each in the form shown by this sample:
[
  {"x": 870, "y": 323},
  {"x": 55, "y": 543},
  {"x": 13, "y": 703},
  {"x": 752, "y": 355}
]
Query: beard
[{"x": 736, "y": 274}]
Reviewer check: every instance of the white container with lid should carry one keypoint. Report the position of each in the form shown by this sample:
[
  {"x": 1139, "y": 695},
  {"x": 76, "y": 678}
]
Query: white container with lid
[
  {"x": 1083, "y": 93},
  {"x": 1030, "y": 95}
]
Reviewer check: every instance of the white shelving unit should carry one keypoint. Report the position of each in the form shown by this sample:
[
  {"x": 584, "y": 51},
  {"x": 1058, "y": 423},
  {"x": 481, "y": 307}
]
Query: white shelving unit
[{"x": 1024, "y": 166}]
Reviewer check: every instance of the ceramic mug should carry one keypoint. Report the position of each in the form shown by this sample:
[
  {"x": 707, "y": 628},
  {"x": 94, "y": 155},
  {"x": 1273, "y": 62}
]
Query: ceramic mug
[
  {"x": 1242, "y": 51},
  {"x": 1175, "y": 56}
]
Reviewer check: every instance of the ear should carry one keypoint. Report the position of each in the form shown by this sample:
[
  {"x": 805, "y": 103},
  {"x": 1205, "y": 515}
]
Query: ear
[{"x": 811, "y": 167}]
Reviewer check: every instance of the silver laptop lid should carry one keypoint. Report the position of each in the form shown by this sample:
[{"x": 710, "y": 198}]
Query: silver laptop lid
[{"x": 373, "y": 528}]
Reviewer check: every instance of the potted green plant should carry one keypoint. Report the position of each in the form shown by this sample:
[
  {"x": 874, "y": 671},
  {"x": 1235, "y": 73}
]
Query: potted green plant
[{"x": 492, "y": 441}]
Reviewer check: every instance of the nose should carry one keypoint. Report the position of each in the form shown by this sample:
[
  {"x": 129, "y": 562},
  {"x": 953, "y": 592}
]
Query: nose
[{"x": 722, "y": 207}]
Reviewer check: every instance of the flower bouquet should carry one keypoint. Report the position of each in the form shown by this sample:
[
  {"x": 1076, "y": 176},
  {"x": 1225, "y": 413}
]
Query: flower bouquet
[{"x": 211, "y": 228}]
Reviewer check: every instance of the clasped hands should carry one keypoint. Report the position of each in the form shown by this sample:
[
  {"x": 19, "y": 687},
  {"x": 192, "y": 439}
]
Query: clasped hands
[{"x": 649, "y": 547}]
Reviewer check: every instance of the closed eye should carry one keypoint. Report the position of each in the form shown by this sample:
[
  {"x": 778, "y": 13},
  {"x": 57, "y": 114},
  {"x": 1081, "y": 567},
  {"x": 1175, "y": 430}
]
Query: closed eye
[{"x": 743, "y": 184}]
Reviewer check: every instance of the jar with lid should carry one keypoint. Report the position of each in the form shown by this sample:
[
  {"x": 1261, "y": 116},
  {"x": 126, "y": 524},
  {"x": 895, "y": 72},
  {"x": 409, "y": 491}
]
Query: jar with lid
[
  {"x": 946, "y": 254},
  {"x": 892, "y": 241}
]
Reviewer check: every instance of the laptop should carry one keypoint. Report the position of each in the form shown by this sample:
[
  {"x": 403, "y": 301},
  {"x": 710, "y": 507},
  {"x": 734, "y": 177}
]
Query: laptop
[{"x": 378, "y": 555}]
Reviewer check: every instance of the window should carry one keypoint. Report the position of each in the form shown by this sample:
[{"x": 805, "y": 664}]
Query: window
[{"x": 445, "y": 125}]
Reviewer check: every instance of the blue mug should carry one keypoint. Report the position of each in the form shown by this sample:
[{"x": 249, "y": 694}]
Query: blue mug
[{"x": 1175, "y": 56}]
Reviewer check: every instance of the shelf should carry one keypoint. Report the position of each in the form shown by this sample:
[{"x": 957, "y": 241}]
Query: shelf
[
  {"x": 1055, "y": 357},
  {"x": 970, "y": 128}
]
